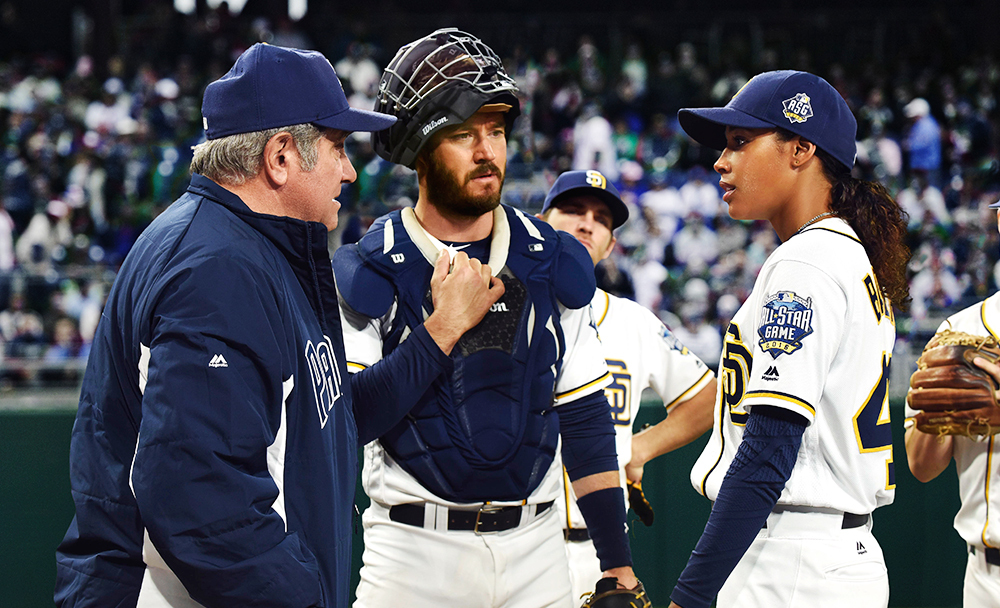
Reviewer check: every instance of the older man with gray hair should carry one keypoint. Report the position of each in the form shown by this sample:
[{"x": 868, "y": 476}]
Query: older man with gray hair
[{"x": 214, "y": 454}]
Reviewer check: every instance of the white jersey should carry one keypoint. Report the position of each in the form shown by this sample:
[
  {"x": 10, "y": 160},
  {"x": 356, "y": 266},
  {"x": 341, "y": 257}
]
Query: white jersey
[
  {"x": 978, "y": 519},
  {"x": 641, "y": 353},
  {"x": 583, "y": 372},
  {"x": 814, "y": 337}
]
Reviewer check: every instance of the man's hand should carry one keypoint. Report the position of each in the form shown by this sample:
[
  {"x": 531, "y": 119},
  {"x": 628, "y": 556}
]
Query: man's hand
[
  {"x": 463, "y": 290},
  {"x": 637, "y": 463},
  {"x": 684, "y": 424},
  {"x": 625, "y": 575}
]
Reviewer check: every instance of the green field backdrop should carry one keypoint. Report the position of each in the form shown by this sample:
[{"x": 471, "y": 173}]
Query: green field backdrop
[{"x": 925, "y": 556}]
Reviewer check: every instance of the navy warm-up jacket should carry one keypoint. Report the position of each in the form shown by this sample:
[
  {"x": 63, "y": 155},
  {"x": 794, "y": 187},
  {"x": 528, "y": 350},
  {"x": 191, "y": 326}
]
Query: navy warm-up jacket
[{"x": 214, "y": 452}]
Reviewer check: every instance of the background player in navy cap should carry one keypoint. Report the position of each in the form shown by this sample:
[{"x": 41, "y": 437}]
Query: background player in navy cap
[
  {"x": 640, "y": 352},
  {"x": 801, "y": 450},
  {"x": 462, "y": 489},
  {"x": 214, "y": 451}
]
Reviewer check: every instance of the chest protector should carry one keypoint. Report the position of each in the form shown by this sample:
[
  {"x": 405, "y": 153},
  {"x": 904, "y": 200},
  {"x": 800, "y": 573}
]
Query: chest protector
[{"x": 488, "y": 431}]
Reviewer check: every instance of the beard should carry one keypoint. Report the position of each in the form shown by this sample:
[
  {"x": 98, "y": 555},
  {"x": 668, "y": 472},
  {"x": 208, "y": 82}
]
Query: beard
[{"x": 449, "y": 194}]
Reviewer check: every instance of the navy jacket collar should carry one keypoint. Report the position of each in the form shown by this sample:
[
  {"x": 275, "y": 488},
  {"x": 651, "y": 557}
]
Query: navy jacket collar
[{"x": 303, "y": 244}]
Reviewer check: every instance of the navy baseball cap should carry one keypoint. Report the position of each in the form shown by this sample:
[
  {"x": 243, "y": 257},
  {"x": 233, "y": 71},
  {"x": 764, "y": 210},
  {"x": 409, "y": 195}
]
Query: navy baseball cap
[
  {"x": 995, "y": 205},
  {"x": 589, "y": 182},
  {"x": 272, "y": 86},
  {"x": 799, "y": 102}
]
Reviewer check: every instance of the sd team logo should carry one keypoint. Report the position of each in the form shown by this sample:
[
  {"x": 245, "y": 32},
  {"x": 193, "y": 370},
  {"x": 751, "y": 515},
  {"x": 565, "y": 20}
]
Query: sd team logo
[
  {"x": 798, "y": 108},
  {"x": 596, "y": 179},
  {"x": 784, "y": 321}
]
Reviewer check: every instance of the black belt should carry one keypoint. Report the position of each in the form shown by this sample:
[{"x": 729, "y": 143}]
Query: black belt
[
  {"x": 992, "y": 555},
  {"x": 576, "y": 535},
  {"x": 487, "y": 519},
  {"x": 853, "y": 520}
]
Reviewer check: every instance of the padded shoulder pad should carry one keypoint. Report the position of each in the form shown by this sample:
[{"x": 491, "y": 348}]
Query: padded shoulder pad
[
  {"x": 574, "y": 273},
  {"x": 363, "y": 288}
]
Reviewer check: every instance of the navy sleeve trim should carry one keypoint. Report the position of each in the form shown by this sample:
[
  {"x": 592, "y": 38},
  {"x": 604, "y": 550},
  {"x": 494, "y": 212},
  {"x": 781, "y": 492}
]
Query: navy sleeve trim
[
  {"x": 386, "y": 391},
  {"x": 588, "y": 436}
]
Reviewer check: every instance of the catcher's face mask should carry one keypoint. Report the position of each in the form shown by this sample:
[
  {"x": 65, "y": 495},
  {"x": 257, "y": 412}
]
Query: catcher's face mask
[{"x": 436, "y": 82}]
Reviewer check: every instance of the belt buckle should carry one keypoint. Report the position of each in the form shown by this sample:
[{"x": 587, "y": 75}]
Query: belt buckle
[{"x": 486, "y": 508}]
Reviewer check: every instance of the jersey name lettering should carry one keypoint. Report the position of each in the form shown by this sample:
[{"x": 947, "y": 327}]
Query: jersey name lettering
[{"x": 880, "y": 305}]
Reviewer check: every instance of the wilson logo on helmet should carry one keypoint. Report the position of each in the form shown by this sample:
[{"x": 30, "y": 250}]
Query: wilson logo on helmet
[{"x": 433, "y": 125}]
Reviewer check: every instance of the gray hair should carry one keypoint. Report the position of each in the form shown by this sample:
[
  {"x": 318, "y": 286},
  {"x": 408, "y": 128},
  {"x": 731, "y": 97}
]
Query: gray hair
[{"x": 234, "y": 159}]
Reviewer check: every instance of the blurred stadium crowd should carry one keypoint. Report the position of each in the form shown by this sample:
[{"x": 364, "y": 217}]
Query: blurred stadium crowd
[{"x": 91, "y": 153}]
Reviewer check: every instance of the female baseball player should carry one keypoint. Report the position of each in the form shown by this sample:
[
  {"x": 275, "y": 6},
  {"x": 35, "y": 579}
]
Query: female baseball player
[
  {"x": 801, "y": 449},
  {"x": 978, "y": 468}
]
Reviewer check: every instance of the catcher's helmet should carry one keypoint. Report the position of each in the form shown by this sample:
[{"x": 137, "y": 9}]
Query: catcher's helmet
[{"x": 437, "y": 81}]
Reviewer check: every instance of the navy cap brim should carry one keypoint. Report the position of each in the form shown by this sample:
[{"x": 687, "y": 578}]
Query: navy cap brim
[
  {"x": 995, "y": 205},
  {"x": 707, "y": 126},
  {"x": 619, "y": 212},
  {"x": 353, "y": 119}
]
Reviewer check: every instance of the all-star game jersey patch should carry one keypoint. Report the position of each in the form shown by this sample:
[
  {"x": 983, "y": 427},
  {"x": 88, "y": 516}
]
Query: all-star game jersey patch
[{"x": 785, "y": 320}]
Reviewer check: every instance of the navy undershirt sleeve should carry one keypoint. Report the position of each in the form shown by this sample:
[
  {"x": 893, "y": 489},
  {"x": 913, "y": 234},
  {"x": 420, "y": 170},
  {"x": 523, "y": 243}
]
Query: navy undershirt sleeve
[
  {"x": 588, "y": 436},
  {"x": 748, "y": 494},
  {"x": 388, "y": 390},
  {"x": 588, "y": 447}
]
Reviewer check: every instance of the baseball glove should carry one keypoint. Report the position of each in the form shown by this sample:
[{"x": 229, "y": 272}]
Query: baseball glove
[
  {"x": 954, "y": 396},
  {"x": 607, "y": 594},
  {"x": 637, "y": 500}
]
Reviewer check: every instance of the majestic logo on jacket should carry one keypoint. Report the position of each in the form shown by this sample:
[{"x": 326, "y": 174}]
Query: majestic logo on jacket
[
  {"x": 784, "y": 321},
  {"x": 325, "y": 377}
]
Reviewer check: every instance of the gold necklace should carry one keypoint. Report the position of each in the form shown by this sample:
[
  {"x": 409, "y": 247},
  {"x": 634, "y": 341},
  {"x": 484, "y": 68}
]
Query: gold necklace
[{"x": 813, "y": 220}]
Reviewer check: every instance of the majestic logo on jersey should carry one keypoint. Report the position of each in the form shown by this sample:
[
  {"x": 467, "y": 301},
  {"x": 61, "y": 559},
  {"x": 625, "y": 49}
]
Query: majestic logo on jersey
[
  {"x": 798, "y": 108},
  {"x": 596, "y": 179},
  {"x": 325, "y": 377},
  {"x": 784, "y": 321},
  {"x": 672, "y": 341},
  {"x": 771, "y": 373},
  {"x": 218, "y": 361}
]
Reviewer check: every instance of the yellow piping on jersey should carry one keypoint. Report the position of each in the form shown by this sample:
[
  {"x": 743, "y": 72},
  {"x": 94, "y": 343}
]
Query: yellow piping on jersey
[
  {"x": 722, "y": 409},
  {"x": 584, "y": 387},
  {"x": 783, "y": 397},
  {"x": 355, "y": 367},
  {"x": 566, "y": 496},
  {"x": 607, "y": 307},
  {"x": 684, "y": 396},
  {"x": 989, "y": 451}
]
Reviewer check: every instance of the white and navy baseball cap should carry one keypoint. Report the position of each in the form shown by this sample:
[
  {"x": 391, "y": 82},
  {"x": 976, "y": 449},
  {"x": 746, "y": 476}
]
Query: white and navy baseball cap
[
  {"x": 588, "y": 182},
  {"x": 799, "y": 102},
  {"x": 272, "y": 86}
]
